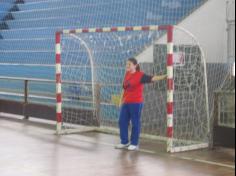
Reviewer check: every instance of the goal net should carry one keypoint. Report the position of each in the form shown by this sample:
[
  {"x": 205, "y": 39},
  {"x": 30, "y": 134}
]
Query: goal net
[{"x": 90, "y": 68}]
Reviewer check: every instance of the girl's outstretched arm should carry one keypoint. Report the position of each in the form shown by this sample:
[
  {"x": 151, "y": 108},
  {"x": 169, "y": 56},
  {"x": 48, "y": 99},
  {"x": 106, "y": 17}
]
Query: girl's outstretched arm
[
  {"x": 146, "y": 79},
  {"x": 159, "y": 78}
]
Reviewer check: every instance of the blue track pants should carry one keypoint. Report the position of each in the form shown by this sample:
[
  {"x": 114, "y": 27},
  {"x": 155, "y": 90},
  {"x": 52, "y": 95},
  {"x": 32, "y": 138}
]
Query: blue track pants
[{"x": 130, "y": 113}]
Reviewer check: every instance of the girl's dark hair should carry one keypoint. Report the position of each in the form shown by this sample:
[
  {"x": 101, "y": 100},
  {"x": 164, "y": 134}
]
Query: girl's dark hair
[{"x": 135, "y": 62}]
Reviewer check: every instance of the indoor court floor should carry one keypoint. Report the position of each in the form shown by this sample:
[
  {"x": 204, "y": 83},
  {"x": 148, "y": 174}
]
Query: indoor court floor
[{"x": 29, "y": 148}]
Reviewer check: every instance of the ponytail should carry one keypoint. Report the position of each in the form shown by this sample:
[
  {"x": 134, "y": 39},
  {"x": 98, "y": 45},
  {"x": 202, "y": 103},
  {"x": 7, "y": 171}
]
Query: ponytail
[
  {"x": 135, "y": 62},
  {"x": 138, "y": 69}
]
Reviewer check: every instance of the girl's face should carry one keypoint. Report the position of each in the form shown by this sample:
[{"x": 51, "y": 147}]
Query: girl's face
[{"x": 130, "y": 67}]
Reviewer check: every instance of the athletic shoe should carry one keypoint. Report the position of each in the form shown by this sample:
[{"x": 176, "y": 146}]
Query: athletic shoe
[
  {"x": 122, "y": 146},
  {"x": 133, "y": 148}
]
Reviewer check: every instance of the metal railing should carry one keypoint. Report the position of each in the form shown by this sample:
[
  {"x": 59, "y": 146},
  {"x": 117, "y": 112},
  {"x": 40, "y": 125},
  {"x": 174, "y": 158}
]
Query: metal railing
[
  {"x": 42, "y": 97},
  {"x": 26, "y": 86},
  {"x": 24, "y": 94}
]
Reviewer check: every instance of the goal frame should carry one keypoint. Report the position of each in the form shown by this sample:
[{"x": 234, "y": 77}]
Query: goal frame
[{"x": 169, "y": 29}]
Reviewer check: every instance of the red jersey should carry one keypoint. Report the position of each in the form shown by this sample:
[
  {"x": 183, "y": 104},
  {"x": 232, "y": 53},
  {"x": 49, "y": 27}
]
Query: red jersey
[{"x": 133, "y": 88}]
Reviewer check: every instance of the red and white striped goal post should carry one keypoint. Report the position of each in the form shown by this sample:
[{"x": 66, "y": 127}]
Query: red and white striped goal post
[{"x": 170, "y": 70}]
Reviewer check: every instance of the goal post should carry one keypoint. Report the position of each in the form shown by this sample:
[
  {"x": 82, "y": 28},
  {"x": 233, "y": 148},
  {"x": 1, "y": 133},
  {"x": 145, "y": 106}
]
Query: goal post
[{"x": 90, "y": 66}]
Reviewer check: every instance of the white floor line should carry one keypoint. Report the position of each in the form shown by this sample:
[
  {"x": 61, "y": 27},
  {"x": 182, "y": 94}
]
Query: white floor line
[{"x": 206, "y": 162}]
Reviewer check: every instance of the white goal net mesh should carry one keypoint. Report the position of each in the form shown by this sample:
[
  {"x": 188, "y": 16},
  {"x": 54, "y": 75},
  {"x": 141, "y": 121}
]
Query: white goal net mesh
[{"x": 93, "y": 68}]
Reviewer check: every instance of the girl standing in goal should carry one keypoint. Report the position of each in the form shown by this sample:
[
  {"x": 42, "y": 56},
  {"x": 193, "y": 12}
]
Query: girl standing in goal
[{"x": 132, "y": 103}]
